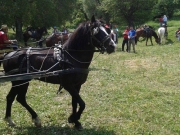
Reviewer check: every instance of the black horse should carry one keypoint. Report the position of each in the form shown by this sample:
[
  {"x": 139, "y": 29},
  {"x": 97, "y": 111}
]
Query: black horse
[
  {"x": 35, "y": 34},
  {"x": 76, "y": 55}
]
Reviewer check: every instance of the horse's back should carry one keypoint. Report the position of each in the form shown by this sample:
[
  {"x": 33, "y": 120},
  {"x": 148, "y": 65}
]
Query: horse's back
[
  {"x": 161, "y": 31},
  {"x": 140, "y": 32},
  {"x": 16, "y": 60}
]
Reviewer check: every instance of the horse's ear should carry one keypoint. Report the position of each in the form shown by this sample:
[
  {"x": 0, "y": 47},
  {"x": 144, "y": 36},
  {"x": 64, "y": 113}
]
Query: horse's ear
[{"x": 93, "y": 19}]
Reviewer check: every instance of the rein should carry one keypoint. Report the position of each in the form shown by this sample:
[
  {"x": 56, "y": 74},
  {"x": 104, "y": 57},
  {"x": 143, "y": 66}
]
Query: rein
[
  {"x": 81, "y": 61},
  {"x": 101, "y": 48}
]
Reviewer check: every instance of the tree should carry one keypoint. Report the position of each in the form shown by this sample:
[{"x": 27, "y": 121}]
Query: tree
[
  {"x": 12, "y": 13},
  {"x": 35, "y": 12},
  {"x": 79, "y": 15},
  {"x": 129, "y": 10},
  {"x": 95, "y": 8},
  {"x": 166, "y": 7}
]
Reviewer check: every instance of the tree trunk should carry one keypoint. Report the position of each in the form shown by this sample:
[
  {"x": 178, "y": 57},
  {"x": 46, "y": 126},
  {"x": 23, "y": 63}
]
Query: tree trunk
[
  {"x": 130, "y": 22},
  {"x": 18, "y": 22}
]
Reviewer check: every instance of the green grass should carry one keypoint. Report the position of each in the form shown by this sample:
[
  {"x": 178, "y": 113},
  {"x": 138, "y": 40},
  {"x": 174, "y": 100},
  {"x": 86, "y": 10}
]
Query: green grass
[{"x": 125, "y": 94}]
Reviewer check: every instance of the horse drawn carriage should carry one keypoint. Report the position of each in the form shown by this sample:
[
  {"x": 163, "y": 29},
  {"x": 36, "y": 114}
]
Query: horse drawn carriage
[{"x": 66, "y": 65}]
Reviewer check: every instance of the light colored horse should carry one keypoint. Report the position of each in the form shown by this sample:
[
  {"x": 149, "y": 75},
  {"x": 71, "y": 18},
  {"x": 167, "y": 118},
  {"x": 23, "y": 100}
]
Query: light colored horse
[{"x": 161, "y": 34}]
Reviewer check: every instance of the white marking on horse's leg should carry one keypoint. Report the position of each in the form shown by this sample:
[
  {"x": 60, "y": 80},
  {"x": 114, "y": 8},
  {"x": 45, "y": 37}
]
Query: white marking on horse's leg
[
  {"x": 37, "y": 122},
  {"x": 10, "y": 121}
]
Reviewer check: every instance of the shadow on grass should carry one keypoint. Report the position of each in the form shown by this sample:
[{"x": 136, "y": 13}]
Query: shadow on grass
[
  {"x": 169, "y": 41},
  {"x": 56, "y": 130}
]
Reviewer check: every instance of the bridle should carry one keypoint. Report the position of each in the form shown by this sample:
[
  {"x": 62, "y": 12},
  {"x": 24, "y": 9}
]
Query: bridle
[{"x": 101, "y": 43}]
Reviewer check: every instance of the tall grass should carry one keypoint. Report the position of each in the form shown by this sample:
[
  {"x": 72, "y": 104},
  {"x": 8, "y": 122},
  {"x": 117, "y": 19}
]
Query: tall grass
[{"x": 125, "y": 94}]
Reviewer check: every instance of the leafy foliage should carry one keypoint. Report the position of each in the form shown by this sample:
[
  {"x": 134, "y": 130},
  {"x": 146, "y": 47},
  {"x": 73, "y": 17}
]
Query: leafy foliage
[
  {"x": 22, "y": 13},
  {"x": 167, "y": 7}
]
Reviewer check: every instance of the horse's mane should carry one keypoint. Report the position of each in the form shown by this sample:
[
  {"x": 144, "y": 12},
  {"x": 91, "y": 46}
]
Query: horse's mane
[
  {"x": 154, "y": 34},
  {"x": 79, "y": 37},
  {"x": 139, "y": 29}
]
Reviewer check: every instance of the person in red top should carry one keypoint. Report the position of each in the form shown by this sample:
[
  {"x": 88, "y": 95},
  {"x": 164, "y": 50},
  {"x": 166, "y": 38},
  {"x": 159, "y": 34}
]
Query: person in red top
[
  {"x": 125, "y": 38},
  {"x": 161, "y": 21},
  {"x": 178, "y": 34},
  {"x": 4, "y": 41}
]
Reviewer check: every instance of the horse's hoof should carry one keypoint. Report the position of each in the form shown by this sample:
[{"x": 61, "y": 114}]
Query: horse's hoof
[
  {"x": 78, "y": 127},
  {"x": 10, "y": 122},
  {"x": 69, "y": 120},
  {"x": 37, "y": 122}
]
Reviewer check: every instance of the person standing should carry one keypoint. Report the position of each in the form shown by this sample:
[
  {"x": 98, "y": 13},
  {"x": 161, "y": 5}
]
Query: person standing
[
  {"x": 165, "y": 20},
  {"x": 125, "y": 38},
  {"x": 113, "y": 35},
  {"x": 116, "y": 33},
  {"x": 178, "y": 34},
  {"x": 161, "y": 21},
  {"x": 131, "y": 38},
  {"x": 4, "y": 40},
  {"x": 55, "y": 30},
  {"x": 65, "y": 31}
]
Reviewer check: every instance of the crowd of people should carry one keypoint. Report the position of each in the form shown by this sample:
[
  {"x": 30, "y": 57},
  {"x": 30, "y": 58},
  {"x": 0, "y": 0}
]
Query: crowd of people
[
  {"x": 129, "y": 34},
  {"x": 6, "y": 43},
  {"x": 163, "y": 20},
  {"x": 56, "y": 31}
]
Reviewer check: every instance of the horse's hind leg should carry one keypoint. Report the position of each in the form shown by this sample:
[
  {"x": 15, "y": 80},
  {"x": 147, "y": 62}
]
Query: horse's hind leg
[
  {"x": 9, "y": 100},
  {"x": 20, "y": 91},
  {"x": 146, "y": 40},
  {"x": 21, "y": 98}
]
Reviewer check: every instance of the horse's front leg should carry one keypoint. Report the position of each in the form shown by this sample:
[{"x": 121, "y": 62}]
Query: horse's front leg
[
  {"x": 75, "y": 116},
  {"x": 146, "y": 40},
  {"x": 151, "y": 40}
]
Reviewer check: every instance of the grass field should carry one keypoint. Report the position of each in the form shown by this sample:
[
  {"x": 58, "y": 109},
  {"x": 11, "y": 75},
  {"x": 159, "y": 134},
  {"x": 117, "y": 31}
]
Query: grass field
[{"x": 125, "y": 94}]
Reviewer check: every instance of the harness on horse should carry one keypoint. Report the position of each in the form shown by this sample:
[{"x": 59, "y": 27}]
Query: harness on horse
[
  {"x": 58, "y": 56},
  {"x": 147, "y": 30}
]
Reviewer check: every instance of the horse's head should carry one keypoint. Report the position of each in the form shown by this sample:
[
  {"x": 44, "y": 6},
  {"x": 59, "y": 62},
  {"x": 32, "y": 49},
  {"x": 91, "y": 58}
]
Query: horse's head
[
  {"x": 157, "y": 40},
  {"x": 100, "y": 36}
]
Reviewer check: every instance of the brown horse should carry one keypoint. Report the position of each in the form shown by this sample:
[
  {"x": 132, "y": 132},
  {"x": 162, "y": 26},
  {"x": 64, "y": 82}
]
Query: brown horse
[
  {"x": 141, "y": 32},
  {"x": 36, "y": 34},
  {"x": 56, "y": 38},
  {"x": 74, "y": 59}
]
